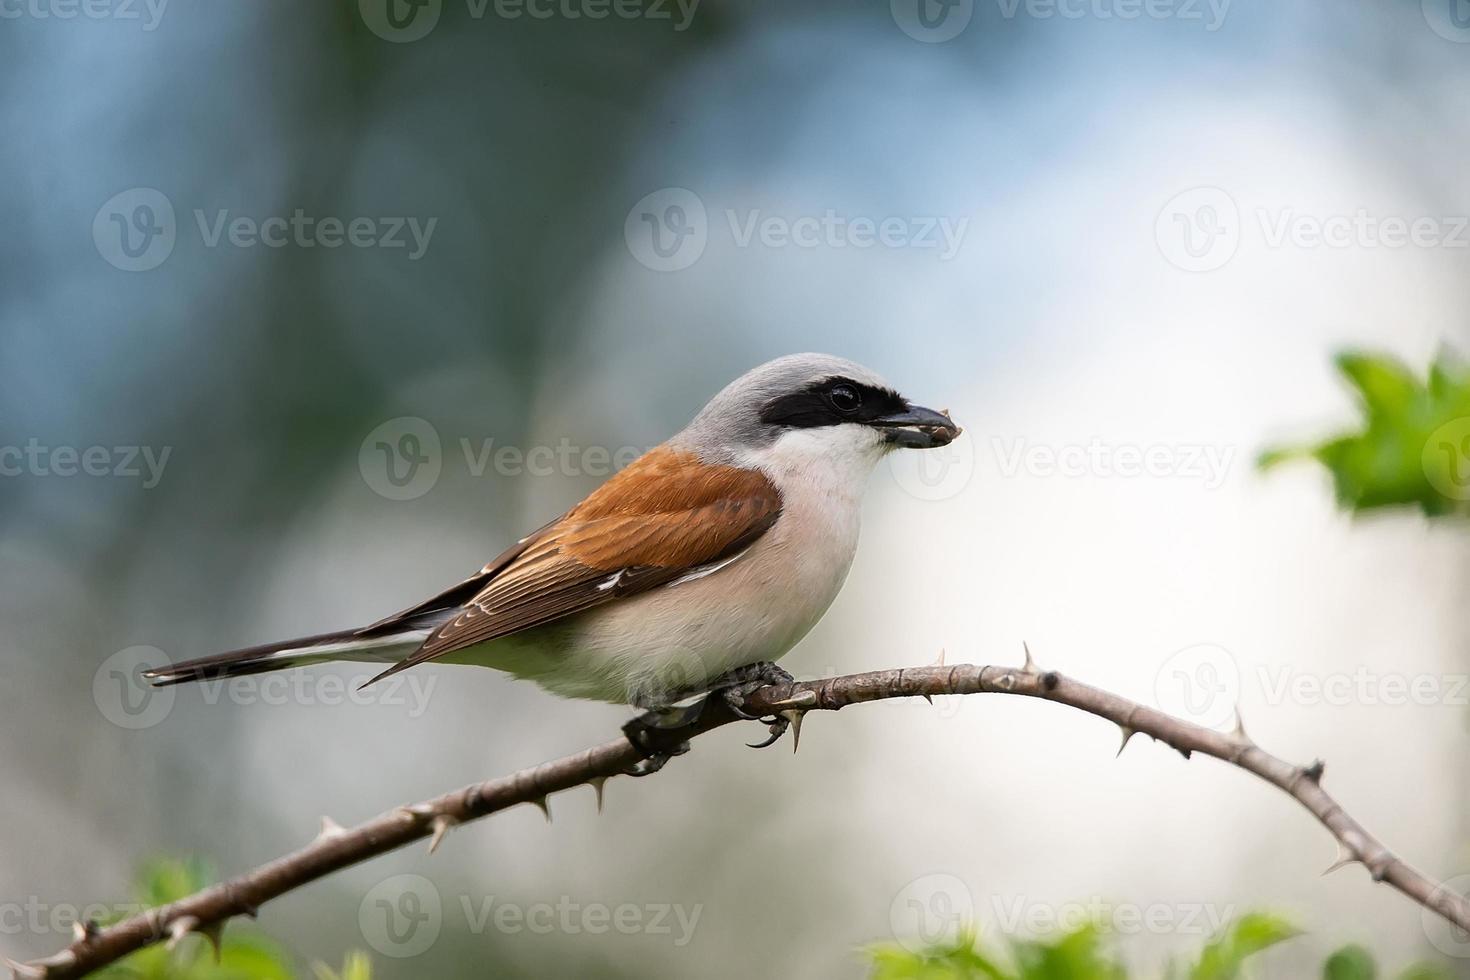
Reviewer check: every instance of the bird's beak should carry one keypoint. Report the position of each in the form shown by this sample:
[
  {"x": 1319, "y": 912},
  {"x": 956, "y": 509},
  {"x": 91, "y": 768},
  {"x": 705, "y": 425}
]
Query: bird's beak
[{"x": 918, "y": 428}]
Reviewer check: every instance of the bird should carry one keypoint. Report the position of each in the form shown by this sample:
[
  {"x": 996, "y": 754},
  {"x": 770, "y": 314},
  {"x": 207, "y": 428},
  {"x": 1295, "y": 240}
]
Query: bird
[{"x": 693, "y": 569}]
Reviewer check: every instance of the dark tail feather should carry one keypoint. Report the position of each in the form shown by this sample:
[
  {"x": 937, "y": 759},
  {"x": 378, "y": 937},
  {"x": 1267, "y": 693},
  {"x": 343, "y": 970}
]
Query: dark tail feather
[{"x": 342, "y": 645}]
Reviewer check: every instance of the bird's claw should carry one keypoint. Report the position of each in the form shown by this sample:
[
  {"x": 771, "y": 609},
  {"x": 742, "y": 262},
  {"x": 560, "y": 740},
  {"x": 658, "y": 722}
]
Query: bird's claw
[
  {"x": 653, "y": 735},
  {"x": 651, "y": 764},
  {"x": 735, "y": 700},
  {"x": 738, "y": 684},
  {"x": 778, "y": 724},
  {"x": 735, "y": 685}
]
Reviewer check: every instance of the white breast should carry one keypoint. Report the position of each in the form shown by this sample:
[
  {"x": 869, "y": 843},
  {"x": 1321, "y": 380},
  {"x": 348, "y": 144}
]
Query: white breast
[{"x": 648, "y": 648}]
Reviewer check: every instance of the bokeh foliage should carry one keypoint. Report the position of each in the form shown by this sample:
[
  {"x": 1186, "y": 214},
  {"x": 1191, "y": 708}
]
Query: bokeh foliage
[
  {"x": 1412, "y": 447},
  {"x": 244, "y": 952},
  {"x": 1087, "y": 953}
]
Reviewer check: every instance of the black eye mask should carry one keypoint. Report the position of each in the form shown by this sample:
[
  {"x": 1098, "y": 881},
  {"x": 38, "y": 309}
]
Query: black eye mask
[{"x": 816, "y": 406}]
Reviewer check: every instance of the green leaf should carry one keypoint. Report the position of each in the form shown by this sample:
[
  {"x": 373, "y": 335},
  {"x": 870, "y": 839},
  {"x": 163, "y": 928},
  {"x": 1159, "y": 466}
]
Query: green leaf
[
  {"x": 1386, "y": 385},
  {"x": 1081, "y": 954},
  {"x": 959, "y": 960},
  {"x": 356, "y": 967},
  {"x": 1077, "y": 955},
  {"x": 244, "y": 954},
  {"x": 248, "y": 957},
  {"x": 1413, "y": 445},
  {"x": 1350, "y": 963},
  {"x": 1252, "y": 933},
  {"x": 165, "y": 880}
]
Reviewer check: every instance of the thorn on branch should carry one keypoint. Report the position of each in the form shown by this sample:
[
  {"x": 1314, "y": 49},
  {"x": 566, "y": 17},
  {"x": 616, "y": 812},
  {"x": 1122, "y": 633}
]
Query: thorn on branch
[
  {"x": 84, "y": 929},
  {"x": 418, "y": 813},
  {"x": 178, "y": 929},
  {"x": 249, "y": 909},
  {"x": 1355, "y": 844},
  {"x": 794, "y": 717},
  {"x": 184, "y": 925},
  {"x": 1345, "y": 857},
  {"x": 801, "y": 699},
  {"x": 1239, "y": 730},
  {"x": 215, "y": 933},
  {"x": 25, "y": 971},
  {"x": 442, "y": 824},
  {"x": 329, "y": 829}
]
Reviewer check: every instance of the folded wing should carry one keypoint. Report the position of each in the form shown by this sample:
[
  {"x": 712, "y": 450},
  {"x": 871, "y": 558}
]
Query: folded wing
[{"x": 664, "y": 517}]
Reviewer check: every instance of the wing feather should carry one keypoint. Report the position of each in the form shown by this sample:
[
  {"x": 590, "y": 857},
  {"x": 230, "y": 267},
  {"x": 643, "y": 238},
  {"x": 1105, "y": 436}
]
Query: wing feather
[{"x": 663, "y": 517}]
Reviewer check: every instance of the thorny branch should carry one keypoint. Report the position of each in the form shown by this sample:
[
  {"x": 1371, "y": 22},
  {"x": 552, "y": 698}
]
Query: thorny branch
[{"x": 334, "y": 848}]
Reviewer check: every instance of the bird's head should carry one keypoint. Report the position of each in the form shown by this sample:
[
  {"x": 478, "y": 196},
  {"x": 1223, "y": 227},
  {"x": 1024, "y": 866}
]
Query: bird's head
[{"x": 815, "y": 404}]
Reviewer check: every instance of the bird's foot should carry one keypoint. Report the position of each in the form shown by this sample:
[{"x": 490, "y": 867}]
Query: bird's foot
[
  {"x": 735, "y": 685},
  {"x": 660, "y": 733},
  {"x": 650, "y": 764},
  {"x": 778, "y": 726},
  {"x": 655, "y": 735}
]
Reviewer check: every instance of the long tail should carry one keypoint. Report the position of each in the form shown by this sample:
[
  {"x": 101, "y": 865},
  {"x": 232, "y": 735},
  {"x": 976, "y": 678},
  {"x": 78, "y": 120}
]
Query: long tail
[{"x": 343, "y": 645}]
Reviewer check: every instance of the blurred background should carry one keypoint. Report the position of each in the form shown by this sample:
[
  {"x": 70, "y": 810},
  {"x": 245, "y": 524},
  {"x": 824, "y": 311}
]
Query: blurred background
[{"x": 307, "y": 309}]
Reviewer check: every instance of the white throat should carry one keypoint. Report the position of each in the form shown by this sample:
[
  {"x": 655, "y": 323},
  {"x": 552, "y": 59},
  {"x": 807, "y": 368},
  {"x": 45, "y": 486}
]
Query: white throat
[{"x": 832, "y": 461}]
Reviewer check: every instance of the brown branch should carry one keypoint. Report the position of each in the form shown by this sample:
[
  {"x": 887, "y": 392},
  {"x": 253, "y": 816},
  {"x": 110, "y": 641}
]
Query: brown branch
[{"x": 334, "y": 848}]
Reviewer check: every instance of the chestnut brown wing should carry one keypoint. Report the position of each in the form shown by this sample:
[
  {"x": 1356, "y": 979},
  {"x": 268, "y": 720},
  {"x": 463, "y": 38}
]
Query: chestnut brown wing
[{"x": 665, "y": 516}]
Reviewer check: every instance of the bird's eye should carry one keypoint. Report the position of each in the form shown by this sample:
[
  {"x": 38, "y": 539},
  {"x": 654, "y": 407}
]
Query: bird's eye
[{"x": 845, "y": 398}]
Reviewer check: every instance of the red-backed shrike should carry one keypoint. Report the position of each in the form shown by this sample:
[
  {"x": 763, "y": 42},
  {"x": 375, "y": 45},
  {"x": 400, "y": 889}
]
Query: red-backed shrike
[{"x": 693, "y": 569}]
